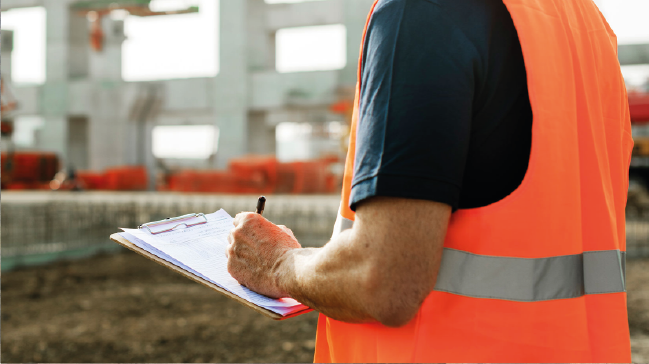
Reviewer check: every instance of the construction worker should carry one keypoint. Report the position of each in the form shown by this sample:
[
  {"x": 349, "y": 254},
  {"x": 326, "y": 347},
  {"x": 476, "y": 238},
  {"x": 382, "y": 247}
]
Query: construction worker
[{"x": 482, "y": 215}]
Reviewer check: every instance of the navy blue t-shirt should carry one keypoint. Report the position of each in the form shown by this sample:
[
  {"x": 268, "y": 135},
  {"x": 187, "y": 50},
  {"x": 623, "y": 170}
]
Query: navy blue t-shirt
[{"x": 444, "y": 110}]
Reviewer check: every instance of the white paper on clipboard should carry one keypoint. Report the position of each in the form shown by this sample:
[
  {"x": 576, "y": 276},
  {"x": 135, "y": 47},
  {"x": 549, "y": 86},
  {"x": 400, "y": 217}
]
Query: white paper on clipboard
[{"x": 200, "y": 250}]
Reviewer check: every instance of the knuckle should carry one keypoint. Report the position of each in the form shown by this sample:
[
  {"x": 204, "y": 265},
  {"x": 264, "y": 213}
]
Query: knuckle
[
  {"x": 231, "y": 269},
  {"x": 237, "y": 234},
  {"x": 251, "y": 219}
]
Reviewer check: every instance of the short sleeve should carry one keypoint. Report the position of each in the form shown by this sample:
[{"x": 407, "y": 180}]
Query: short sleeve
[{"x": 416, "y": 99}]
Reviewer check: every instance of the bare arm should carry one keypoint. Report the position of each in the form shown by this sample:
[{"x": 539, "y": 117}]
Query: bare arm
[{"x": 381, "y": 270}]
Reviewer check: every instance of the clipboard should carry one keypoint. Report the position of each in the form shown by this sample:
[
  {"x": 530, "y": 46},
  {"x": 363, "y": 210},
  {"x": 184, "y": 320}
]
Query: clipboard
[{"x": 127, "y": 244}]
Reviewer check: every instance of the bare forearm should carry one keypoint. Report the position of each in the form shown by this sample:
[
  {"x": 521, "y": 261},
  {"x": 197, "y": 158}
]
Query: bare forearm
[
  {"x": 331, "y": 280},
  {"x": 380, "y": 270}
]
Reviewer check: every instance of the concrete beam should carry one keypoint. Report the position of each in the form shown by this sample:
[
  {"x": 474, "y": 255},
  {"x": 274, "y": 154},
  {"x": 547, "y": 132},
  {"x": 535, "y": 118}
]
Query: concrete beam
[
  {"x": 630, "y": 54},
  {"x": 184, "y": 95},
  {"x": 29, "y": 100},
  {"x": 272, "y": 90},
  {"x": 14, "y": 4},
  {"x": 269, "y": 91},
  {"x": 309, "y": 13}
]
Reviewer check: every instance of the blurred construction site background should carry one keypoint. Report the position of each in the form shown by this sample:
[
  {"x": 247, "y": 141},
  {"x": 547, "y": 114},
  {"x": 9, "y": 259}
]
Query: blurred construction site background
[{"x": 120, "y": 112}]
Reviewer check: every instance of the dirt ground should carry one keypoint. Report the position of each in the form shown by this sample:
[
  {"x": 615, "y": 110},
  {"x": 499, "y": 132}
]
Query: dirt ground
[
  {"x": 637, "y": 277},
  {"x": 123, "y": 308}
]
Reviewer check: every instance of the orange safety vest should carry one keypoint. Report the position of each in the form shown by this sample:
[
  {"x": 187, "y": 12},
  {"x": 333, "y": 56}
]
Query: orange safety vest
[{"x": 538, "y": 276}]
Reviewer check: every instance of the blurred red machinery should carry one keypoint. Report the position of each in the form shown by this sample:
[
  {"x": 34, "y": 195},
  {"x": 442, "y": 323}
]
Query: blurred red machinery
[
  {"x": 21, "y": 169},
  {"x": 28, "y": 170},
  {"x": 127, "y": 178},
  {"x": 639, "y": 108},
  {"x": 92, "y": 180},
  {"x": 246, "y": 175},
  {"x": 259, "y": 175}
]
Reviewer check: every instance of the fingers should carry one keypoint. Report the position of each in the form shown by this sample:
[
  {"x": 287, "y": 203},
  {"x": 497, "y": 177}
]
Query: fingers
[
  {"x": 237, "y": 219},
  {"x": 229, "y": 250},
  {"x": 242, "y": 217},
  {"x": 230, "y": 239}
]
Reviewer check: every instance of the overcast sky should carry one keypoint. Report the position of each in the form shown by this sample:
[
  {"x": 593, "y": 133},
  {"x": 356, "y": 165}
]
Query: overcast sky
[{"x": 187, "y": 45}]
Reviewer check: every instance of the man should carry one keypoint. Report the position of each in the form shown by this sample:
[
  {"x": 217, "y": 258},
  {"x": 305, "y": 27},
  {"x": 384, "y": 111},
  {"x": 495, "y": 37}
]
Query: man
[{"x": 469, "y": 232}]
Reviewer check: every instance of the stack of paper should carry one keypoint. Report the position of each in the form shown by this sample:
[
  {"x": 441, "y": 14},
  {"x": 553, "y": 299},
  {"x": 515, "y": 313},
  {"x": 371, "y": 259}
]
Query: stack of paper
[{"x": 200, "y": 250}]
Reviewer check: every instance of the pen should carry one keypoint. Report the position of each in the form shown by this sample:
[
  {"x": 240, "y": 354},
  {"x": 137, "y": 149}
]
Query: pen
[{"x": 261, "y": 203}]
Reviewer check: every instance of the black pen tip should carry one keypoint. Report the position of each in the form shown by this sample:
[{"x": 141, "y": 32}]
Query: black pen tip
[{"x": 261, "y": 204}]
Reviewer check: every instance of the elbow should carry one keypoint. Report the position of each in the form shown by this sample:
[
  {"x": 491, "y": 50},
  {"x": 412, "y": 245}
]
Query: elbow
[
  {"x": 391, "y": 302},
  {"x": 394, "y": 317}
]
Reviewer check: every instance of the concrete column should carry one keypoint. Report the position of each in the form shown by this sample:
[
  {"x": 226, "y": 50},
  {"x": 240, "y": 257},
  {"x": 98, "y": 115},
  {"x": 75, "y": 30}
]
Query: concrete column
[
  {"x": 231, "y": 85},
  {"x": 78, "y": 47},
  {"x": 261, "y": 136},
  {"x": 109, "y": 127},
  {"x": 7, "y": 45},
  {"x": 54, "y": 134},
  {"x": 355, "y": 16},
  {"x": 261, "y": 57},
  {"x": 261, "y": 44},
  {"x": 107, "y": 64}
]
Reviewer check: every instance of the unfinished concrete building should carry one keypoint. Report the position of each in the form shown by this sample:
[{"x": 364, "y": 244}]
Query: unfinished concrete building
[{"x": 93, "y": 119}]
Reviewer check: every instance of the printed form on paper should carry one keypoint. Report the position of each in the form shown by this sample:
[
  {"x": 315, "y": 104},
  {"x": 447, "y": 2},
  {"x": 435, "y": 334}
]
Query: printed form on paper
[{"x": 200, "y": 250}]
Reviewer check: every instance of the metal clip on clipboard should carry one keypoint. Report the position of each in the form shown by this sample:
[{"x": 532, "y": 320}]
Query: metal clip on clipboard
[{"x": 189, "y": 220}]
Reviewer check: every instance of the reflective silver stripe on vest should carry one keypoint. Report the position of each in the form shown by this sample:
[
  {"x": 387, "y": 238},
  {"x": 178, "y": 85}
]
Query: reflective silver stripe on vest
[
  {"x": 528, "y": 280},
  {"x": 524, "y": 279},
  {"x": 341, "y": 225}
]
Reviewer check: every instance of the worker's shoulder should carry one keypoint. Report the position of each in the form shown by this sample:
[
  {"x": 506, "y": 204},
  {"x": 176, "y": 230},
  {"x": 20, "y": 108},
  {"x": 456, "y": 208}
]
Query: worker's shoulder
[
  {"x": 397, "y": 13},
  {"x": 399, "y": 5},
  {"x": 418, "y": 9}
]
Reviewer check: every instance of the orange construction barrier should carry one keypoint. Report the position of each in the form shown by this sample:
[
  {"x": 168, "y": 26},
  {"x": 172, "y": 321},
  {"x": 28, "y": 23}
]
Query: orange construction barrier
[
  {"x": 92, "y": 180},
  {"x": 255, "y": 174},
  {"x": 126, "y": 179},
  {"x": 259, "y": 175},
  {"x": 203, "y": 181}
]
